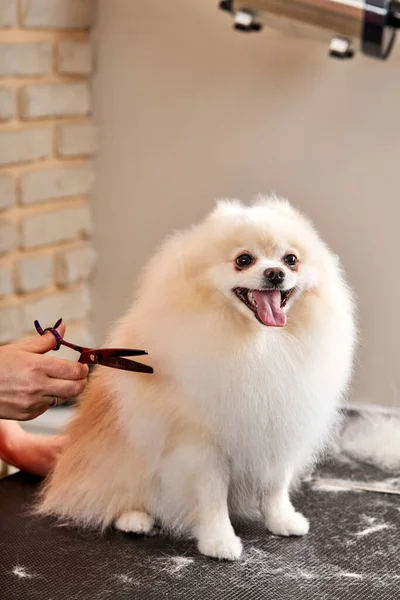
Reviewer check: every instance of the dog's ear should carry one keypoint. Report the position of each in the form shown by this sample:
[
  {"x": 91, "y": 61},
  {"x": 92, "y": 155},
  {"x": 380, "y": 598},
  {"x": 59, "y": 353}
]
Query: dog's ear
[
  {"x": 274, "y": 201},
  {"x": 279, "y": 205},
  {"x": 227, "y": 207},
  {"x": 266, "y": 200}
]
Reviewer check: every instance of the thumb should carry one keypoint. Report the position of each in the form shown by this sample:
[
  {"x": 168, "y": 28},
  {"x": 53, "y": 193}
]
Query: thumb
[{"x": 44, "y": 343}]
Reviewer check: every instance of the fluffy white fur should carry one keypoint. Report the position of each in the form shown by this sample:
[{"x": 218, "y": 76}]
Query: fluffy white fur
[
  {"x": 235, "y": 410},
  {"x": 373, "y": 437}
]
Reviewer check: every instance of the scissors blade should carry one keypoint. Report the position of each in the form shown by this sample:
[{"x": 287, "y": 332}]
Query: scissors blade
[
  {"x": 118, "y": 362},
  {"x": 121, "y": 352}
]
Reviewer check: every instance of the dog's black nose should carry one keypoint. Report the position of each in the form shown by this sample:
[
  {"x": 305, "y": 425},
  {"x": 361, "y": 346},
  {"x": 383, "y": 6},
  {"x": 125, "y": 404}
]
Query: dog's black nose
[{"x": 274, "y": 276}]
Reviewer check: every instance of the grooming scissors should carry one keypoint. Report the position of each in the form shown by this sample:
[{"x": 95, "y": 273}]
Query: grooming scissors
[{"x": 107, "y": 357}]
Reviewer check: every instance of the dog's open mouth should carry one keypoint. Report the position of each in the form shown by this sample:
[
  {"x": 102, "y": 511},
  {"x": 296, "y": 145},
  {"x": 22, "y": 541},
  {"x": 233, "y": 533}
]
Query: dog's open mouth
[{"x": 267, "y": 305}]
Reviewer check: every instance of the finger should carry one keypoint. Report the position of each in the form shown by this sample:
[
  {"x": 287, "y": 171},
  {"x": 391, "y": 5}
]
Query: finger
[
  {"x": 63, "y": 388},
  {"x": 44, "y": 343},
  {"x": 54, "y": 401},
  {"x": 29, "y": 416},
  {"x": 43, "y": 404},
  {"x": 60, "y": 368}
]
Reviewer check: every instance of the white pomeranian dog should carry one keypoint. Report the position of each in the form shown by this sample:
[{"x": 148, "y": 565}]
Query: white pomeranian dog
[{"x": 250, "y": 329}]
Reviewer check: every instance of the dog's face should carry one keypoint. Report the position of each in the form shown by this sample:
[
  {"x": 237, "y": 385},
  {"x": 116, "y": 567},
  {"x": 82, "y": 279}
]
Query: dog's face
[{"x": 264, "y": 258}]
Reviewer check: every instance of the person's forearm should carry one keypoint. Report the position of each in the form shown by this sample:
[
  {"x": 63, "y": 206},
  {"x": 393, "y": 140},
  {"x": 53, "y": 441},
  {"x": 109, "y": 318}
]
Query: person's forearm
[
  {"x": 11, "y": 434},
  {"x": 26, "y": 451}
]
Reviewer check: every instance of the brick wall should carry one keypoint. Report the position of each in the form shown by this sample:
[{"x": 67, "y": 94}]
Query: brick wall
[{"x": 47, "y": 143}]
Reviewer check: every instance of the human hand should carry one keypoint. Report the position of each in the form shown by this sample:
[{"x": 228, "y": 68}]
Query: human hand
[{"x": 29, "y": 380}]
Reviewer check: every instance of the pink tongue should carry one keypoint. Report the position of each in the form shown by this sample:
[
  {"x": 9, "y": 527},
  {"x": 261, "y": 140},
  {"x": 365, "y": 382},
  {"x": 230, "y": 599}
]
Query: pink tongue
[{"x": 269, "y": 309}]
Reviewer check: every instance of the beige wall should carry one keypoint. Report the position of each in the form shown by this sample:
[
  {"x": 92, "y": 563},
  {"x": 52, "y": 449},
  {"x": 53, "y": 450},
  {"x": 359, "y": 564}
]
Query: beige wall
[{"x": 191, "y": 110}]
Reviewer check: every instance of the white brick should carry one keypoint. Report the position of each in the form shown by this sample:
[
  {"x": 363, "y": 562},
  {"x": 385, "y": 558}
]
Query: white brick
[
  {"x": 70, "y": 306},
  {"x": 77, "y": 139},
  {"x": 50, "y": 184},
  {"x": 33, "y": 273},
  {"x": 25, "y": 59},
  {"x": 7, "y": 13},
  {"x": 7, "y": 104},
  {"x": 58, "y": 14},
  {"x": 75, "y": 58},
  {"x": 56, "y": 100},
  {"x": 8, "y": 236},
  {"x": 10, "y": 324},
  {"x": 74, "y": 265},
  {"x": 7, "y": 191},
  {"x": 6, "y": 283},
  {"x": 55, "y": 226},
  {"x": 25, "y": 145}
]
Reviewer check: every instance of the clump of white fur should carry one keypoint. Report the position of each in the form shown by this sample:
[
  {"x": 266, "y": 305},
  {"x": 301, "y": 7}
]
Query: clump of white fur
[
  {"x": 374, "y": 438},
  {"x": 236, "y": 410}
]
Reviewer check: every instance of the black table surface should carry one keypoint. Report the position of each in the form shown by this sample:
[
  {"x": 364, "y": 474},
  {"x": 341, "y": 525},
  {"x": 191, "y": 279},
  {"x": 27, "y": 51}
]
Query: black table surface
[{"x": 352, "y": 551}]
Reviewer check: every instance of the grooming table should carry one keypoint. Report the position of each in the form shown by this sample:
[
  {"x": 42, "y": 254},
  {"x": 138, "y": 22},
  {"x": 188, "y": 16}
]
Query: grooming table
[{"x": 351, "y": 552}]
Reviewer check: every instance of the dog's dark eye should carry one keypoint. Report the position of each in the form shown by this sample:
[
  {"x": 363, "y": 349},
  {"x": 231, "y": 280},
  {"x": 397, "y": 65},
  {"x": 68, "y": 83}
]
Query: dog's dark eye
[
  {"x": 290, "y": 260},
  {"x": 244, "y": 260}
]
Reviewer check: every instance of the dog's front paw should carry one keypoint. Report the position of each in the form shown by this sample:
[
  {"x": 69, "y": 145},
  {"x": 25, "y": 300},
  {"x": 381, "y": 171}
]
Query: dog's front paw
[
  {"x": 225, "y": 547},
  {"x": 135, "y": 521},
  {"x": 290, "y": 524}
]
